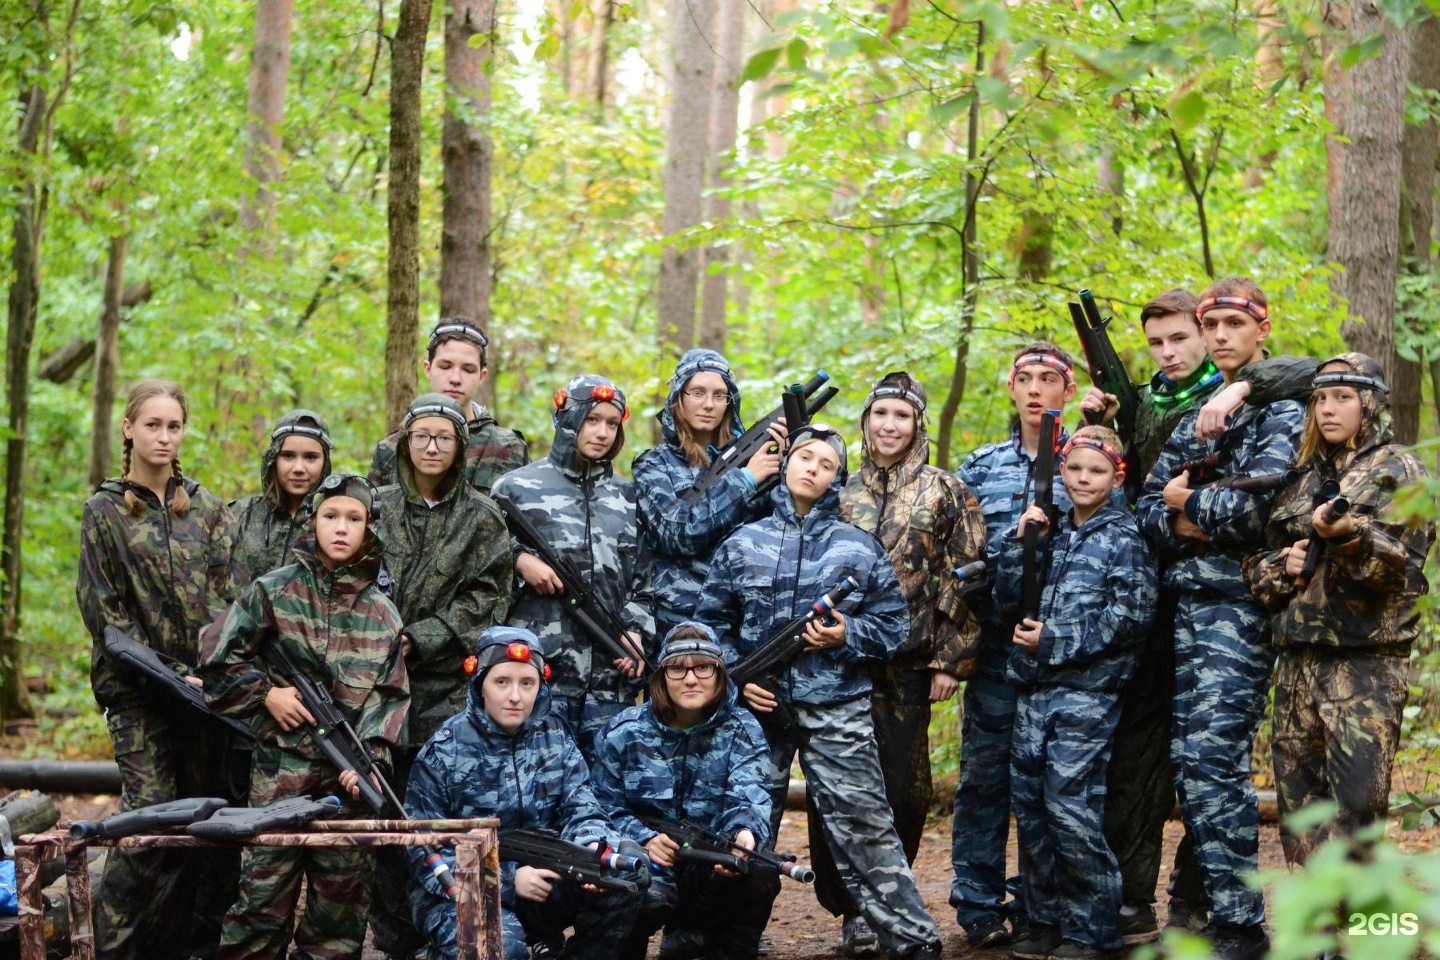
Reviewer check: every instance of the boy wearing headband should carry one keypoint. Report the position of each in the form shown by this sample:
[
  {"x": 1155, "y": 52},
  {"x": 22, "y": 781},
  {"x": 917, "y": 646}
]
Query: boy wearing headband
[
  {"x": 1223, "y": 657},
  {"x": 456, "y": 367},
  {"x": 1070, "y": 666}
]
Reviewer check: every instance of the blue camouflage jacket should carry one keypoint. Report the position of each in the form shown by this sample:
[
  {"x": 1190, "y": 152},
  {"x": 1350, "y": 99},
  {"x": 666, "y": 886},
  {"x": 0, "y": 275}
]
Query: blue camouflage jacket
[
  {"x": 772, "y": 570},
  {"x": 1261, "y": 441},
  {"x": 1001, "y": 475},
  {"x": 715, "y": 774},
  {"x": 535, "y": 779},
  {"x": 1098, "y": 601}
]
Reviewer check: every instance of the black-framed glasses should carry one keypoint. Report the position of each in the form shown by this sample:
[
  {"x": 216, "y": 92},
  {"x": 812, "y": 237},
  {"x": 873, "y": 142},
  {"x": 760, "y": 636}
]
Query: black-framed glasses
[
  {"x": 721, "y": 399},
  {"x": 444, "y": 442},
  {"x": 703, "y": 670}
]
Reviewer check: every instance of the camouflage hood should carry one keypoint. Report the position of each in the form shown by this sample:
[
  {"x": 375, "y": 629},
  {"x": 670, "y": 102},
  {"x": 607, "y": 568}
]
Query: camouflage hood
[
  {"x": 918, "y": 453},
  {"x": 710, "y": 646},
  {"x": 433, "y": 405},
  {"x": 699, "y": 360},
  {"x": 572, "y": 406},
  {"x": 1376, "y": 423},
  {"x": 474, "y": 700},
  {"x": 296, "y": 423}
]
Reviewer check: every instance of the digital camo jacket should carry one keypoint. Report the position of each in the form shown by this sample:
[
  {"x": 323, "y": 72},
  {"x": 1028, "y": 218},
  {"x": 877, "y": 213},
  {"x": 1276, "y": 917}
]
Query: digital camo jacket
[
  {"x": 338, "y": 627},
  {"x": 772, "y": 570},
  {"x": 158, "y": 577},
  {"x": 493, "y": 451},
  {"x": 1097, "y": 604}
]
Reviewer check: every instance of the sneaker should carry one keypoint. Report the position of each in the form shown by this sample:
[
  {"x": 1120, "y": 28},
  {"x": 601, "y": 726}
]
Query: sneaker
[
  {"x": 680, "y": 943},
  {"x": 1070, "y": 950},
  {"x": 543, "y": 951},
  {"x": 1188, "y": 915},
  {"x": 988, "y": 931},
  {"x": 1037, "y": 944},
  {"x": 1230, "y": 941},
  {"x": 930, "y": 951},
  {"x": 1137, "y": 924},
  {"x": 856, "y": 937}
]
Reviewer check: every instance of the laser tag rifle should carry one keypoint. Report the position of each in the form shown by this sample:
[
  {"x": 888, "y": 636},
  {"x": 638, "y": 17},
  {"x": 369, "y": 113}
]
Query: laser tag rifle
[
  {"x": 547, "y": 850},
  {"x": 585, "y": 607},
  {"x": 1032, "y": 571},
  {"x": 157, "y": 816},
  {"x": 1336, "y": 507},
  {"x": 699, "y": 845},
  {"x": 1108, "y": 372},
  {"x": 162, "y": 672},
  {"x": 344, "y": 749},
  {"x": 738, "y": 452},
  {"x": 242, "y": 823},
  {"x": 764, "y": 664}
]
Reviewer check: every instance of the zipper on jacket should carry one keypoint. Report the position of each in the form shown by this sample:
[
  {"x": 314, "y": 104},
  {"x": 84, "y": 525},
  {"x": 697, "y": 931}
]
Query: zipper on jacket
[{"x": 519, "y": 788}]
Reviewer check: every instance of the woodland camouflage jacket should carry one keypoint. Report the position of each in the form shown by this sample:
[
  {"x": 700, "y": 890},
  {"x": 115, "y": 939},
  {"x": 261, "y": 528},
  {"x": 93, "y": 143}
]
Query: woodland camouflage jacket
[
  {"x": 930, "y": 524},
  {"x": 1365, "y": 586},
  {"x": 158, "y": 577},
  {"x": 493, "y": 450},
  {"x": 267, "y": 536},
  {"x": 337, "y": 626}
]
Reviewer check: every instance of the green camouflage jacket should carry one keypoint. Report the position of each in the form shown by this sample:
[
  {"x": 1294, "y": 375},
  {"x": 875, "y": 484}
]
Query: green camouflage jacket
[
  {"x": 337, "y": 626},
  {"x": 267, "y": 536},
  {"x": 158, "y": 577},
  {"x": 492, "y": 452}
]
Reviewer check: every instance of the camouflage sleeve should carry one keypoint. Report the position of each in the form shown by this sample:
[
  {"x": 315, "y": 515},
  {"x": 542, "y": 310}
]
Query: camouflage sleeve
[
  {"x": 1009, "y": 566},
  {"x": 101, "y": 598},
  {"x": 382, "y": 465},
  {"x": 878, "y": 627},
  {"x": 970, "y": 471},
  {"x": 1278, "y": 378},
  {"x": 224, "y": 583},
  {"x": 381, "y": 719},
  {"x": 747, "y": 795},
  {"x": 639, "y": 613},
  {"x": 1123, "y": 620},
  {"x": 607, "y": 778},
  {"x": 427, "y": 797},
  {"x": 581, "y": 818},
  {"x": 234, "y": 685},
  {"x": 1266, "y": 578},
  {"x": 1385, "y": 556},
  {"x": 721, "y": 608},
  {"x": 1151, "y": 513},
  {"x": 956, "y": 629},
  {"x": 1232, "y": 517},
  {"x": 679, "y": 529},
  {"x": 479, "y": 601}
]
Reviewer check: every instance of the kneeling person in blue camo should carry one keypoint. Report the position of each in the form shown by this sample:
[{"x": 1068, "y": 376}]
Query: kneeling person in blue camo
[
  {"x": 507, "y": 757},
  {"x": 1069, "y": 666},
  {"x": 692, "y": 755},
  {"x": 761, "y": 578}
]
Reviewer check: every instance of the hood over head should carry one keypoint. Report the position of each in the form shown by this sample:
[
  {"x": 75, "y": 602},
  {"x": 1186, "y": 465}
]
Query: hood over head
[
  {"x": 296, "y": 423},
  {"x": 433, "y": 405},
  {"x": 700, "y": 360},
  {"x": 506, "y": 645},
  {"x": 1366, "y": 375},
  {"x": 898, "y": 385},
  {"x": 572, "y": 406},
  {"x": 706, "y": 646}
]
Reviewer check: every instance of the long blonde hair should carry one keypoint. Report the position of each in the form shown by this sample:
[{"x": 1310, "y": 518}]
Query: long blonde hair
[
  {"x": 694, "y": 451},
  {"x": 140, "y": 394}
]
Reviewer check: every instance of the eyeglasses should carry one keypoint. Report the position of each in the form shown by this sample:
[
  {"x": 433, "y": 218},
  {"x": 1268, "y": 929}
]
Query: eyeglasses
[
  {"x": 698, "y": 395},
  {"x": 703, "y": 670},
  {"x": 444, "y": 442}
]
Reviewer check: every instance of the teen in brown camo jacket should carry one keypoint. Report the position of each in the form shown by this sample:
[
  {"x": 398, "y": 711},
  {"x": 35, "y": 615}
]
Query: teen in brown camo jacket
[{"x": 1344, "y": 634}]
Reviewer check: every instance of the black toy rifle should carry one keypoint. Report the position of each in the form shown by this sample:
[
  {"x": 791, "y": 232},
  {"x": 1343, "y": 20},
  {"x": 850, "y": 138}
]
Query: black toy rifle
[
  {"x": 699, "y": 845},
  {"x": 159, "y": 671},
  {"x": 157, "y": 816},
  {"x": 1032, "y": 573},
  {"x": 1336, "y": 507},
  {"x": 975, "y": 576},
  {"x": 344, "y": 749},
  {"x": 242, "y": 823},
  {"x": 587, "y": 609},
  {"x": 1108, "y": 372},
  {"x": 547, "y": 850},
  {"x": 764, "y": 664},
  {"x": 738, "y": 452}
]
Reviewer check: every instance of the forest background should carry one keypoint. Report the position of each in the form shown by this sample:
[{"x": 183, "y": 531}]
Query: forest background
[{"x": 271, "y": 204}]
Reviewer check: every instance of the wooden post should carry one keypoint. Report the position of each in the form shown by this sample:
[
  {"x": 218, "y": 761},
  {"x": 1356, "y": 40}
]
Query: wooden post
[{"x": 77, "y": 882}]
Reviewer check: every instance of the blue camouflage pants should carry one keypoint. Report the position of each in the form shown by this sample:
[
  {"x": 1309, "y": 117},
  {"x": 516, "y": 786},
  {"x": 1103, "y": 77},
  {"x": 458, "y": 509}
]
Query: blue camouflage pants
[
  {"x": 836, "y": 744},
  {"x": 1059, "y": 754},
  {"x": 982, "y": 799},
  {"x": 1222, "y": 673}
]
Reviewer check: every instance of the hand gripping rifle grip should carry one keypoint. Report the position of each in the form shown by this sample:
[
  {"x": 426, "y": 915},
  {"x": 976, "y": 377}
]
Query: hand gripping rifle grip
[
  {"x": 1336, "y": 508},
  {"x": 827, "y": 604}
]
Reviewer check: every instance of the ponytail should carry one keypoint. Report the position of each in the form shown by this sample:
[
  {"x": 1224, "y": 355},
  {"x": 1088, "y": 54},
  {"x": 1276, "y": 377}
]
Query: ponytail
[
  {"x": 180, "y": 501},
  {"x": 133, "y": 506}
]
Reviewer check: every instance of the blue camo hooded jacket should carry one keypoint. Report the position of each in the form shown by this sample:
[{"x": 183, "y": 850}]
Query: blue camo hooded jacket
[
  {"x": 715, "y": 774},
  {"x": 1098, "y": 601},
  {"x": 533, "y": 779},
  {"x": 772, "y": 570},
  {"x": 683, "y": 536}
]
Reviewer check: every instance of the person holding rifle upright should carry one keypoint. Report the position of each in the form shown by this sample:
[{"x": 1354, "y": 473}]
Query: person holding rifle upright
[
  {"x": 330, "y": 616},
  {"x": 1223, "y": 657},
  {"x": 764, "y": 576},
  {"x": 586, "y": 513},
  {"x": 1341, "y": 576},
  {"x": 1002, "y": 476}
]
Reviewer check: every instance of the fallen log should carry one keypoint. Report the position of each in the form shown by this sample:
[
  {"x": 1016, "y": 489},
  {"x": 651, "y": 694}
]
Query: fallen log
[
  {"x": 26, "y": 811},
  {"x": 60, "y": 776},
  {"x": 61, "y": 364}
]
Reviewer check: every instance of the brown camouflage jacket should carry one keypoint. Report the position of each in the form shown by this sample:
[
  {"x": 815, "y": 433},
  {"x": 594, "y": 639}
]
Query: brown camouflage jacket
[
  {"x": 1364, "y": 589},
  {"x": 158, "y": 577},
  {"x": 930, "y": 523},
  {"x": 337, "y": 626}
]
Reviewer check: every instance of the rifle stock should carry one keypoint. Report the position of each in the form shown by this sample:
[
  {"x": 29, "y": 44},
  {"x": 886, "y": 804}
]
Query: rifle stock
[
  {"x": 158, "y": 671},
  {"x": 699, "y": 845},
  {"x": 157, "y": 816},
  {"x": 242, "y": 823}
]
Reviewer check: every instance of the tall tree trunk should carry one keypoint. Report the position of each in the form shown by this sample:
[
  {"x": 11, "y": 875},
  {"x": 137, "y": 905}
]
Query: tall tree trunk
[
  {"x": 969, "y": 266},
  {"x": 107, "y": 362},
  {"x": 693, "y": 66},
  {"x": 598, "y": 72},
  {"x": 1269, "y": 68},
  {"x": 1110, "y": 173},
  {"x": 724, "y": 124},
  {"x": 269, "y": 73},
  {"x": 402, "y": 208},
  {"x": 1367, "y": 104},
  {"x": 24, "y": 302},
  {"x": 1418, "y": 155},
  {"x": 467, "y": 151}
]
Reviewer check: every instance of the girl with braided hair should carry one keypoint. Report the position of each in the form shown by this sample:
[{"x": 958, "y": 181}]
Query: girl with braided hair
[{"x": 155, "y": 564}]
